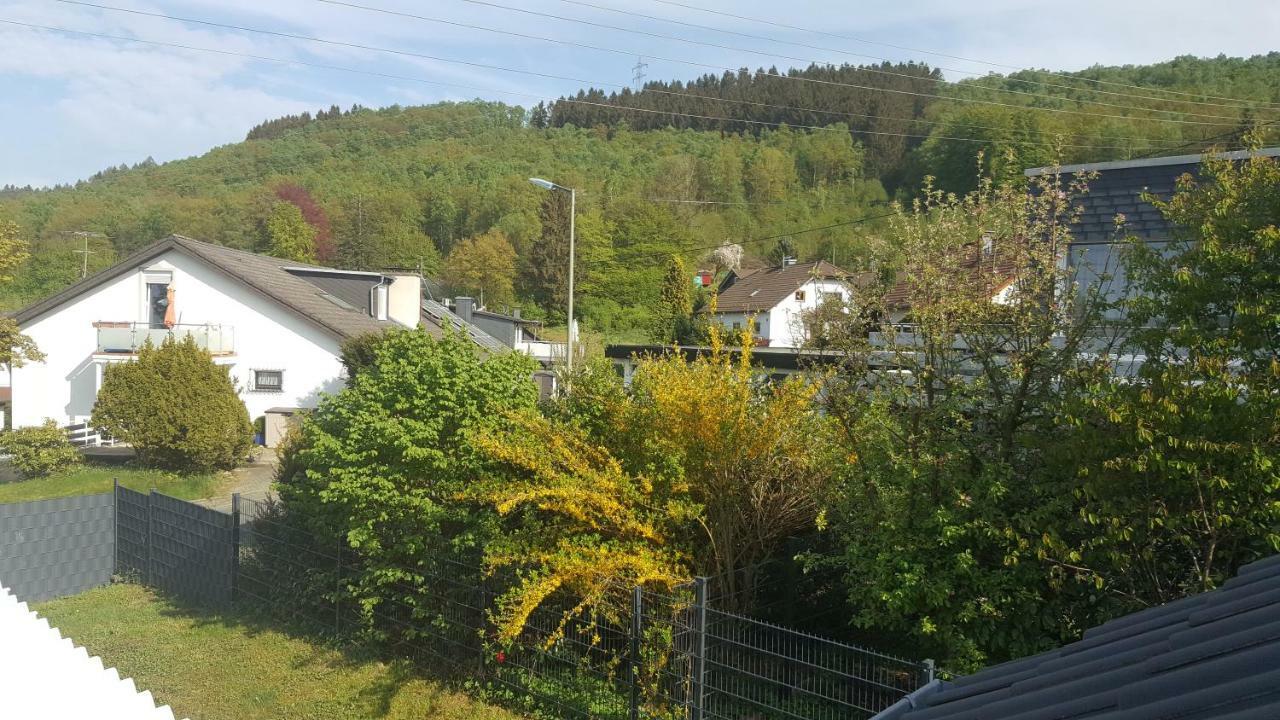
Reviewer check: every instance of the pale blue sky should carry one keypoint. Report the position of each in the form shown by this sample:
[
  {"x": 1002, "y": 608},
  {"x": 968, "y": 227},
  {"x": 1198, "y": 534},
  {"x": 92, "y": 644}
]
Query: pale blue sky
[{"x": 71, "y": 105}]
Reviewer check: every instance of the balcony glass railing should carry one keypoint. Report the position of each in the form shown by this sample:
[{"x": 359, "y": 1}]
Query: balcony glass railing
[{"x": 127, "y": 337}]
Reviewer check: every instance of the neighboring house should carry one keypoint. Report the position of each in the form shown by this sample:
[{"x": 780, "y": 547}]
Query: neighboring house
[
  {"x": 44, "y": 675},
  {"x": 1113, "y": 209},
  {"x": 276, "y": 324},
  {"x": 780, "y": 298},
  {"x": 775, "y": 362},
  {"x": 511, "y": 330},
  {"x": 1211, "y": 655}
]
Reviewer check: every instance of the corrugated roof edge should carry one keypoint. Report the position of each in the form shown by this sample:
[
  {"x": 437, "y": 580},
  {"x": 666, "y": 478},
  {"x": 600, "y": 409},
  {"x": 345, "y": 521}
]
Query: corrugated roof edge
[
  {"x": 1149, "y": 162},
  {"x": 911, "y": 701}
]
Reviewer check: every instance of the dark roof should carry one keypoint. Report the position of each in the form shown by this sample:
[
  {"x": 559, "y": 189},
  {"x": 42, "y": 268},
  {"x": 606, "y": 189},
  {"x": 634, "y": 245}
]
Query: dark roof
[
  {"x": 1118, "y": 190},
  {"x": 988, "y": 273},
  {"x": 264, "y": 275},
  {"x": 1212, "y": 655},
  {"x": 759, "y": 290},
  {"x": 436, "y": 317}
]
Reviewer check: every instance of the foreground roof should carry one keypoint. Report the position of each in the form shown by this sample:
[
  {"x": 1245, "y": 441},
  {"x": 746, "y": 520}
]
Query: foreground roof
[
  {"x": 762, "y": 289},
  {"x": 1212, "y": 655},
  {"x": 1119, "y": 188},
  {"x": 265, "y": 275},
  {"x": 46, "y": 676}
]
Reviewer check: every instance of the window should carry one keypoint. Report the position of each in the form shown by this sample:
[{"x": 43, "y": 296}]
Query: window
[
  {"x": 268, "y": 380},
  {"x": 799, "y": 296},
  {"x": 737, "y": 325},
  {"x": 157, "y": 303}
]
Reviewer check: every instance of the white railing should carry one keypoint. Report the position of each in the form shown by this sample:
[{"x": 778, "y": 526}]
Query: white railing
[
  {"x": 542, "y": 351},
  {"x": 128, "y": 337}
]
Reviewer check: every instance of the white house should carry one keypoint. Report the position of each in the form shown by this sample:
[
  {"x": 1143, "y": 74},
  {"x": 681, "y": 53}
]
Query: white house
[
  {"x": 276, "y": 324},
  {"x": 780, "y": 298}
]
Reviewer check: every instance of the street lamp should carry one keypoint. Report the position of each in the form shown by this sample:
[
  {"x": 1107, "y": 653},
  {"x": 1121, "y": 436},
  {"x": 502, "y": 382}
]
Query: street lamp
[{"x": 573, "y": 202}]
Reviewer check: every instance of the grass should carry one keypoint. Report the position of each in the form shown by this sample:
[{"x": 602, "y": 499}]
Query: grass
[
  {"x": 91, "y": 479},
  {"x": 209, "y": 666}
]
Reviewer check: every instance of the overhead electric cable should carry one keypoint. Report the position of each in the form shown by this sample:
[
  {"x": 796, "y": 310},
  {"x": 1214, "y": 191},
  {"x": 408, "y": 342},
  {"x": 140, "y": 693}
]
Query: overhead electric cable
[
  {"x": 989, "y": 63},
  {"x": 611, "y": 106},
  {"x": 658, "y": 18}
]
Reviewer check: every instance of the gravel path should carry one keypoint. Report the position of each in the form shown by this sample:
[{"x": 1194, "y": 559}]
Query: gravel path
[{"x": 252, "y": 481}]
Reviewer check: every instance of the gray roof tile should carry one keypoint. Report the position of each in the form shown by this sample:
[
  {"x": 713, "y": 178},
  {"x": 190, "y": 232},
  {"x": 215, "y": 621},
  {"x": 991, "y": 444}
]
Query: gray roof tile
[{"x": 1213, "y": 655}]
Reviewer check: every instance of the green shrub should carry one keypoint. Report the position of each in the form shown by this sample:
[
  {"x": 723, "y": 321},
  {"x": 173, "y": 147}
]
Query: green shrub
[
  {"x": 176, "y": 407},
  {"x": 39, "y": 450}
]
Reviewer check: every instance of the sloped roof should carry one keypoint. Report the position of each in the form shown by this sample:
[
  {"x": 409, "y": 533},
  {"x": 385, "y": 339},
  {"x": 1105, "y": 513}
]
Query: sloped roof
[
  {"x": 1212, "y": 655},
  {"x": 46, "y": 676},
  {"x": 1118, "y": 190},
  {"x": 760, "y": 290},
  {"x": 988, "y": 273},
  {"x": 436, "y": 317},
  {"x": 267, "y": 276}
]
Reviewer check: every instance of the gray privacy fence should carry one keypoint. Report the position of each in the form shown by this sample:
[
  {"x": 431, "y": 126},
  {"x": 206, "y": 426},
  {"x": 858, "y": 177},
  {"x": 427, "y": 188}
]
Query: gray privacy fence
[
  {"x": 51, "y": 548},
  {"x": 669, "y": 656}
]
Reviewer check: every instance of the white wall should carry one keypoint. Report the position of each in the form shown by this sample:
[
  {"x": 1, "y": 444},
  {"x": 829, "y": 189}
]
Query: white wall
[
  {"x": 267, "y": 337},
  {"x": 786, "y": 319}
]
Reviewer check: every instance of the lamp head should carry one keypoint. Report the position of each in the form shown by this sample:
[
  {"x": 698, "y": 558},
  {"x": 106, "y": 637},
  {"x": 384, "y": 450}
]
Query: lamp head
[{"x": 544, "y": 184}]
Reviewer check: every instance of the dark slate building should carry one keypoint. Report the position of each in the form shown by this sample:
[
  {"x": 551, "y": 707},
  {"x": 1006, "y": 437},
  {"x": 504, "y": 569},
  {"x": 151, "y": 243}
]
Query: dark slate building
[
  {"x": 1215, "y": 656},
  {"x": 1118, "y": 191}
]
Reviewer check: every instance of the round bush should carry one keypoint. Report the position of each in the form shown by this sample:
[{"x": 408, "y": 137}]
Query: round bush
[
  {"x": 176, "y": 407},
  {"x": 39, "y": 450}
]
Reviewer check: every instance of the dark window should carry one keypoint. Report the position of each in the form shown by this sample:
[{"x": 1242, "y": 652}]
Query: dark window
[
  {"x": 799, "y": 296},
  {"x": 157, "y": 303},
  {"x": 268, "y": 380}
]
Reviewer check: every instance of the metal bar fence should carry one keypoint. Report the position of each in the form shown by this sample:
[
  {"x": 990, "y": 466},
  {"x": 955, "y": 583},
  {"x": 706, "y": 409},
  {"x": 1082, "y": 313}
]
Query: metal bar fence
[{"x": 654, "y": 655}]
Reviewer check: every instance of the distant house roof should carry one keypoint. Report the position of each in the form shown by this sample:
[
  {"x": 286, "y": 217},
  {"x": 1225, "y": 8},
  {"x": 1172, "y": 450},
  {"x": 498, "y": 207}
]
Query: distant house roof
[
  {"x": 265, "y": 275},
  {"x": 1212, "y": 655},
  {"x": 988, "y": 273},
  {"x": 762, "y": 289},
  {"x": 436, "y": 317},
  {"x": 1118, "y": 190}
]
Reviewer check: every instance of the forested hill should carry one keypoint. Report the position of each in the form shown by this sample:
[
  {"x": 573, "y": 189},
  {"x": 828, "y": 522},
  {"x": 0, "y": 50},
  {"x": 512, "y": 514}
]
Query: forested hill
[
  {"x": 908, "y": 116},
  {"x": 445, "y": 188}
]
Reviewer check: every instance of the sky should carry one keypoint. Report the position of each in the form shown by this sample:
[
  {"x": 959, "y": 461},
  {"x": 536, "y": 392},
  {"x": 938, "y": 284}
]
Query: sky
[{"x": 73, "y": 104}]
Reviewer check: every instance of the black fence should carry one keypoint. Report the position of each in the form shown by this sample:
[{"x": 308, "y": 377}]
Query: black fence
[
  {"x": 664, "y": 656},
  {"x": 654, "y": 655}
]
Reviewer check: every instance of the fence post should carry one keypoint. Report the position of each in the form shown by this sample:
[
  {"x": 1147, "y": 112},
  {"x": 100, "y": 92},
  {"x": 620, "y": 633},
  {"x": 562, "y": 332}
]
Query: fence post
[
  {"x": 337, "y": 592},
  {"x": 115, "y": 526},
  {"x": 633, "y": 665},
  {"x": 700, "y": 647},
  {"x": 150, "y": 534},
  {"x": 235, "y": 546},
  {"x": 482, "y": 622},
  {"x": 927, "y": 672}
]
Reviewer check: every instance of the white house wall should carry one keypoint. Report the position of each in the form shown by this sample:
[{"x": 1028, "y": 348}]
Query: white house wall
[
  {"x": 786, "y": 319},
  {"x": 267, "y": 337}
]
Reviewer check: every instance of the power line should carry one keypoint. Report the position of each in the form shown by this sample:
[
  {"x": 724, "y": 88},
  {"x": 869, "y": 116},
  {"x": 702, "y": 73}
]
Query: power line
[
  {"x": 610, "y": 106},
  {"x": 1017, "y": 68},
  {"x": 794, "y": 78},
  {"x": 640, "y": 65},
  {"x": 661, "y": 36},
  {"x": 698, "y": 26}
]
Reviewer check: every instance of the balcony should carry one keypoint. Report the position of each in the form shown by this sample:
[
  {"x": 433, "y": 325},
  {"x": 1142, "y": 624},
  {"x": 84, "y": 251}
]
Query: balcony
[{"x": 125, "y": 338}]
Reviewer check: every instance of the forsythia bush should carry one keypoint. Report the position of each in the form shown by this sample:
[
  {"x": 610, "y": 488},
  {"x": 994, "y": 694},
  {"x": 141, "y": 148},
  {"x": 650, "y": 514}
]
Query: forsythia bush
[
  {"x": 176, "y": 407},
  {"x": 39, "y": 450}
]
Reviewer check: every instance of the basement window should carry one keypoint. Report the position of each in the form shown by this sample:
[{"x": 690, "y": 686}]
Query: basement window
[{"x": 268, "y": 381}]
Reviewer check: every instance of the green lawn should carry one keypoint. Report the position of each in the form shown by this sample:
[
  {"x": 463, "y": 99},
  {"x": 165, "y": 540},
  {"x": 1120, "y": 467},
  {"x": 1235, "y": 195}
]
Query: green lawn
[
  {"x": 224, "y": 667},
  {"x": 90, "y": 479}
]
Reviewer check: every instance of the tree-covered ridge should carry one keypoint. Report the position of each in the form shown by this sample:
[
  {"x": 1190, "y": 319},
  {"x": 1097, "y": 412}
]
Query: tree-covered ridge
[{"x": 404, "y": 187}]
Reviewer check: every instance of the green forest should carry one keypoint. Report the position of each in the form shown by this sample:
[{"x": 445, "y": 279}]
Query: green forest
[{"x": 750, "y": 159}]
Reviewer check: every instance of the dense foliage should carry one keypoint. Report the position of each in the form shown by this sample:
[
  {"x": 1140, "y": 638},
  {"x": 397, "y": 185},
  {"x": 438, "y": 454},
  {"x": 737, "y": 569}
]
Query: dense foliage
[
  {"x": 39, "y": 450},
  {"x": 176, "y": 407}
]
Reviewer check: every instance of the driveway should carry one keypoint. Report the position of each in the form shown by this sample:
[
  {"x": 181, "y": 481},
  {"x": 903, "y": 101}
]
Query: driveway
[{"x": 252, "y": 481}]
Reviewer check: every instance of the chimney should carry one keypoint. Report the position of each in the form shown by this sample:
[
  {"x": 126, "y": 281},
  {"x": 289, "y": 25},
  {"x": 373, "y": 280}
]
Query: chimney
[
  {"x": 463, "y": 306},
  {"x": 788, "y": 261},
  {"x": 378, "y": 300},
  {"x": 515, "y": 313},
  {"x": 404, "y": 299}
]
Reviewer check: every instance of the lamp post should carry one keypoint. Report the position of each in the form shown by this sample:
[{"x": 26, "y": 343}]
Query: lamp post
[{"x": 573, "y": 202}]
